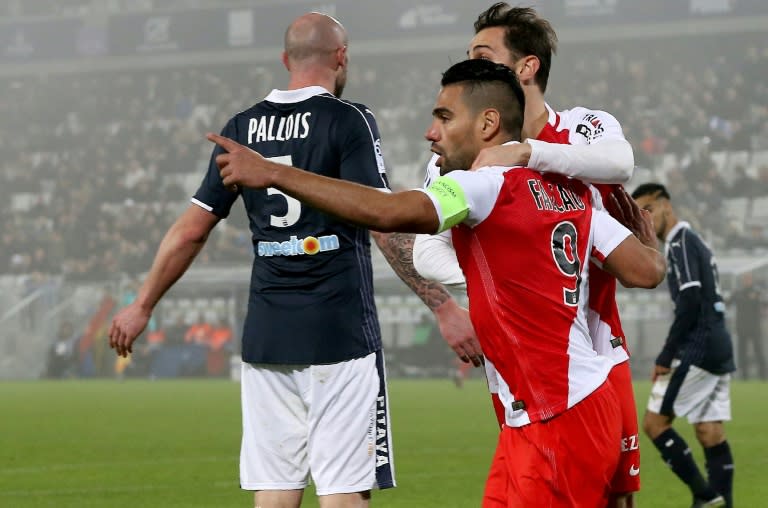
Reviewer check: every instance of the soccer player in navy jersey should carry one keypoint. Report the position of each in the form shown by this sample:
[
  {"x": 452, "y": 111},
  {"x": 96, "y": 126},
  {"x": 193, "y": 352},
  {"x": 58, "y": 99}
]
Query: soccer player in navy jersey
[
  {"x": 522, "y": 239},
  {"x": 314, "y": 400},
  {"x": 692, "y": 374}
]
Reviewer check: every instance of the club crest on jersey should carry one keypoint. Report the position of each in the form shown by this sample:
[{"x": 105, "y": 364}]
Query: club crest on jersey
[
  {"x": 294, "y": 246},
  {"x": 591, "y": 127}
]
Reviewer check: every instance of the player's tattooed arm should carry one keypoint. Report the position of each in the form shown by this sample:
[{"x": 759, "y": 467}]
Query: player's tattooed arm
[
  {"x": 398, "y": 251},
  {"x": 453, "y": 320}
]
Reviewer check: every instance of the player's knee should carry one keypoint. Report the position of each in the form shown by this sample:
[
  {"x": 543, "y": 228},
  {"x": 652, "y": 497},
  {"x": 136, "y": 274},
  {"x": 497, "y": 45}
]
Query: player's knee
[
  {"x": 709, "y": 433},
  {"x": 654, "y": 424},
  {"x": 356, "y": 500}
]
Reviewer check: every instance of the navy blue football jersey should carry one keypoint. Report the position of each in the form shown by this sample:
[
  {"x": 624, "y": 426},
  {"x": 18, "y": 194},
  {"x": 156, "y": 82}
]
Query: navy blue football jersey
[
  {"x": 311, "y": 296},
  {"x": 698, "y": 335}
]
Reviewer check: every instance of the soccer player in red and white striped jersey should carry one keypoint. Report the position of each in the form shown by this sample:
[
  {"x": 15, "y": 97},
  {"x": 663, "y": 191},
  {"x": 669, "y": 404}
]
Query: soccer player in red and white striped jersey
[
  {"x": 523, "y": 239},
  {"x": 579, "y": 142}
]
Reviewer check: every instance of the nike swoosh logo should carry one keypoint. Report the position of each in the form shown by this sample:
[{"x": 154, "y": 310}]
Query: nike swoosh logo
[{"x": 634, "y": 471}]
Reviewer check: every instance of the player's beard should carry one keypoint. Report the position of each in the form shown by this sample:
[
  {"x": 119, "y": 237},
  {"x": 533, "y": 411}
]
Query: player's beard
[{"x": 456, "y": 161}]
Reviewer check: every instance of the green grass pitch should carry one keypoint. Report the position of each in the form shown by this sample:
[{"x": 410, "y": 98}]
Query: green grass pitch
[{"x": 175, "y": 444}]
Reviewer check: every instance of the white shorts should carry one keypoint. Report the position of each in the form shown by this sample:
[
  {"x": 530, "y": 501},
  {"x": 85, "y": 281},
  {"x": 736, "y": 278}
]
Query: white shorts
[
  {"x": 701, "y": 396},
  {"x": 330, "y": 421}
]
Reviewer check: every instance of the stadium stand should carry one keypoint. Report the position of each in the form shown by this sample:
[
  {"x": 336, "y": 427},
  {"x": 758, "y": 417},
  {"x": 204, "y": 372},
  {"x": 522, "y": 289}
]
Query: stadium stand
[{"x": 98, "y": 162}]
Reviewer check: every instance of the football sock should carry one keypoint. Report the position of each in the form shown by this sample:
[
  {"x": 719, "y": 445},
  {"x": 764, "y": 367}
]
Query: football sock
[
  {"x": 676, "y": 453},
  {"x": 720, "y": 470}
]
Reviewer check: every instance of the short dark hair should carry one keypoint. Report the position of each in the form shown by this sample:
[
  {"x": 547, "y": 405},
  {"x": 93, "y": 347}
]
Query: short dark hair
[
  {"x": 526, "y": 33},
  {"x": 490, "y": 85},
  {"x": 654, "y": 189}
]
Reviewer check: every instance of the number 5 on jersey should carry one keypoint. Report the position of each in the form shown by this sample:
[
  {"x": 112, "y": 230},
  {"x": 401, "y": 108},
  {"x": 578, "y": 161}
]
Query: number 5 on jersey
[{"x": 293, "y": 211}]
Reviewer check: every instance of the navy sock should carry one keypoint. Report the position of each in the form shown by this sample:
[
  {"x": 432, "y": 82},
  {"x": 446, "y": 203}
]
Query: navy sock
[
  {"x": 720, "y": 470},
  {"x": 676, "y": 453}
]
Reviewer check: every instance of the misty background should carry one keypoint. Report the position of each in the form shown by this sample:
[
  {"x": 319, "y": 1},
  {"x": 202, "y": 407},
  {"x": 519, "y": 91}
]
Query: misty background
[{"x": 103, "y": 107}]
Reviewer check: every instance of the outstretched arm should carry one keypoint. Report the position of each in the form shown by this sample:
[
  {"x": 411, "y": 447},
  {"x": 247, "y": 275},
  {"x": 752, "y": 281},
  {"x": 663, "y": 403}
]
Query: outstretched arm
[
  {"x": 409, "y": 211},
  {"x": 178, "y": 249}
]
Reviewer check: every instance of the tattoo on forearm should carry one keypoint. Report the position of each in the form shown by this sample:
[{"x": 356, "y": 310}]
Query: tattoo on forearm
[{"x": 398, "y": 251}]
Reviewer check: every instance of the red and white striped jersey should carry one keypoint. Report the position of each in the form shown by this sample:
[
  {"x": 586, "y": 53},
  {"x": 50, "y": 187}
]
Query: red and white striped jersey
[
  {"x": 581, "y": 126},
  {"x": 523, "y": 243}
]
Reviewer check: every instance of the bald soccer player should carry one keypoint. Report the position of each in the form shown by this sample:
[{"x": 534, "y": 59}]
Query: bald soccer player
[{"x": 314, "y": 400}]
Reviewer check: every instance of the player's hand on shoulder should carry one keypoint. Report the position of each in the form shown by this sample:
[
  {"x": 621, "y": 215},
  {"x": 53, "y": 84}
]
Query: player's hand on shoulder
[
  {"x": 517, "y": 154},
  {"x": 241, "y": 166},
  {"x": 126, "y": 327}
]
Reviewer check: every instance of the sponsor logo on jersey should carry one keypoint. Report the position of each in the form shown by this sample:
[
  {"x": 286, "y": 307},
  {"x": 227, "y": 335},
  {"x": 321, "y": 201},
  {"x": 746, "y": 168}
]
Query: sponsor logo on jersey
[
  {"x": 591, "y": 127},
  {"x": 298, "y": 246},
  {"x": 634, "y": 470}
]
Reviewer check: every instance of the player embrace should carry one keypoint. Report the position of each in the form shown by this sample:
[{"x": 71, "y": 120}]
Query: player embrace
[{"x": 577, "y": 142}]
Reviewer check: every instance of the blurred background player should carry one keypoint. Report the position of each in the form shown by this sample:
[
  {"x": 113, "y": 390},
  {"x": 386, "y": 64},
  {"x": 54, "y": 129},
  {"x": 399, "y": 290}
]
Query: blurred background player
[
  {"x": 749, "y": 326},
  {"x": 692, "y": 374},
  {"x": 563, "y": 423},
  {"x": 313, "y": 384},
  {"x": 581, "y": 143}
]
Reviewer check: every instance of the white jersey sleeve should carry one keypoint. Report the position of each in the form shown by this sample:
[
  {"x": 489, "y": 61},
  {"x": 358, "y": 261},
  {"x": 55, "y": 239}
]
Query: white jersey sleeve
[
  {"x": 433, "y": 255},
  {"x": 607, "y": 234},
  {"x": 435, "y": 259},
  {"x": 595, "y": 149}
]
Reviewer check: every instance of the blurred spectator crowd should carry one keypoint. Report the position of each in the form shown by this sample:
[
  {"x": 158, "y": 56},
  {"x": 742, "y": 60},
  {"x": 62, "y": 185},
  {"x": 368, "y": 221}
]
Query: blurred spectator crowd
[
  {"x": 97, "y": 165},
  {"x": 181, "y": 348}
]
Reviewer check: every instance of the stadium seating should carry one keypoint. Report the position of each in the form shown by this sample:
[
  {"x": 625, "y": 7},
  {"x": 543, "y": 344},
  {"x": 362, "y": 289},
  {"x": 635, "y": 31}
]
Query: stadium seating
[{"x": 96, "y": 205}]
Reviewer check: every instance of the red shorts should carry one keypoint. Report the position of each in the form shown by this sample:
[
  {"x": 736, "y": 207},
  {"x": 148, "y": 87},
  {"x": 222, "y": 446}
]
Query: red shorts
[
  {"x": 565, "y": 462},
  {"x": 627, "y": 477}
]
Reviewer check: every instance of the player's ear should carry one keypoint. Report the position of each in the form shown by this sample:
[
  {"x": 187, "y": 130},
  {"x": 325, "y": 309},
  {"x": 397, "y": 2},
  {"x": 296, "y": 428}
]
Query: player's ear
[
  {"x": 490, "y": 123},
  {"x": 341, "y": 56},
  {"x": 286, "y": 61},
  {"x": 527, "y": 68}
]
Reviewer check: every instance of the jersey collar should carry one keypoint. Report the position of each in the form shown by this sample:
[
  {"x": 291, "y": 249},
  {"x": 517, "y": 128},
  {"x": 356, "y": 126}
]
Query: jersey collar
[
  {"x": 673, "y": 232},
  {"x": 677, "y": 227},
  {"x": 551, "y": 115},
  {"x": 298, "y": 95}
]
